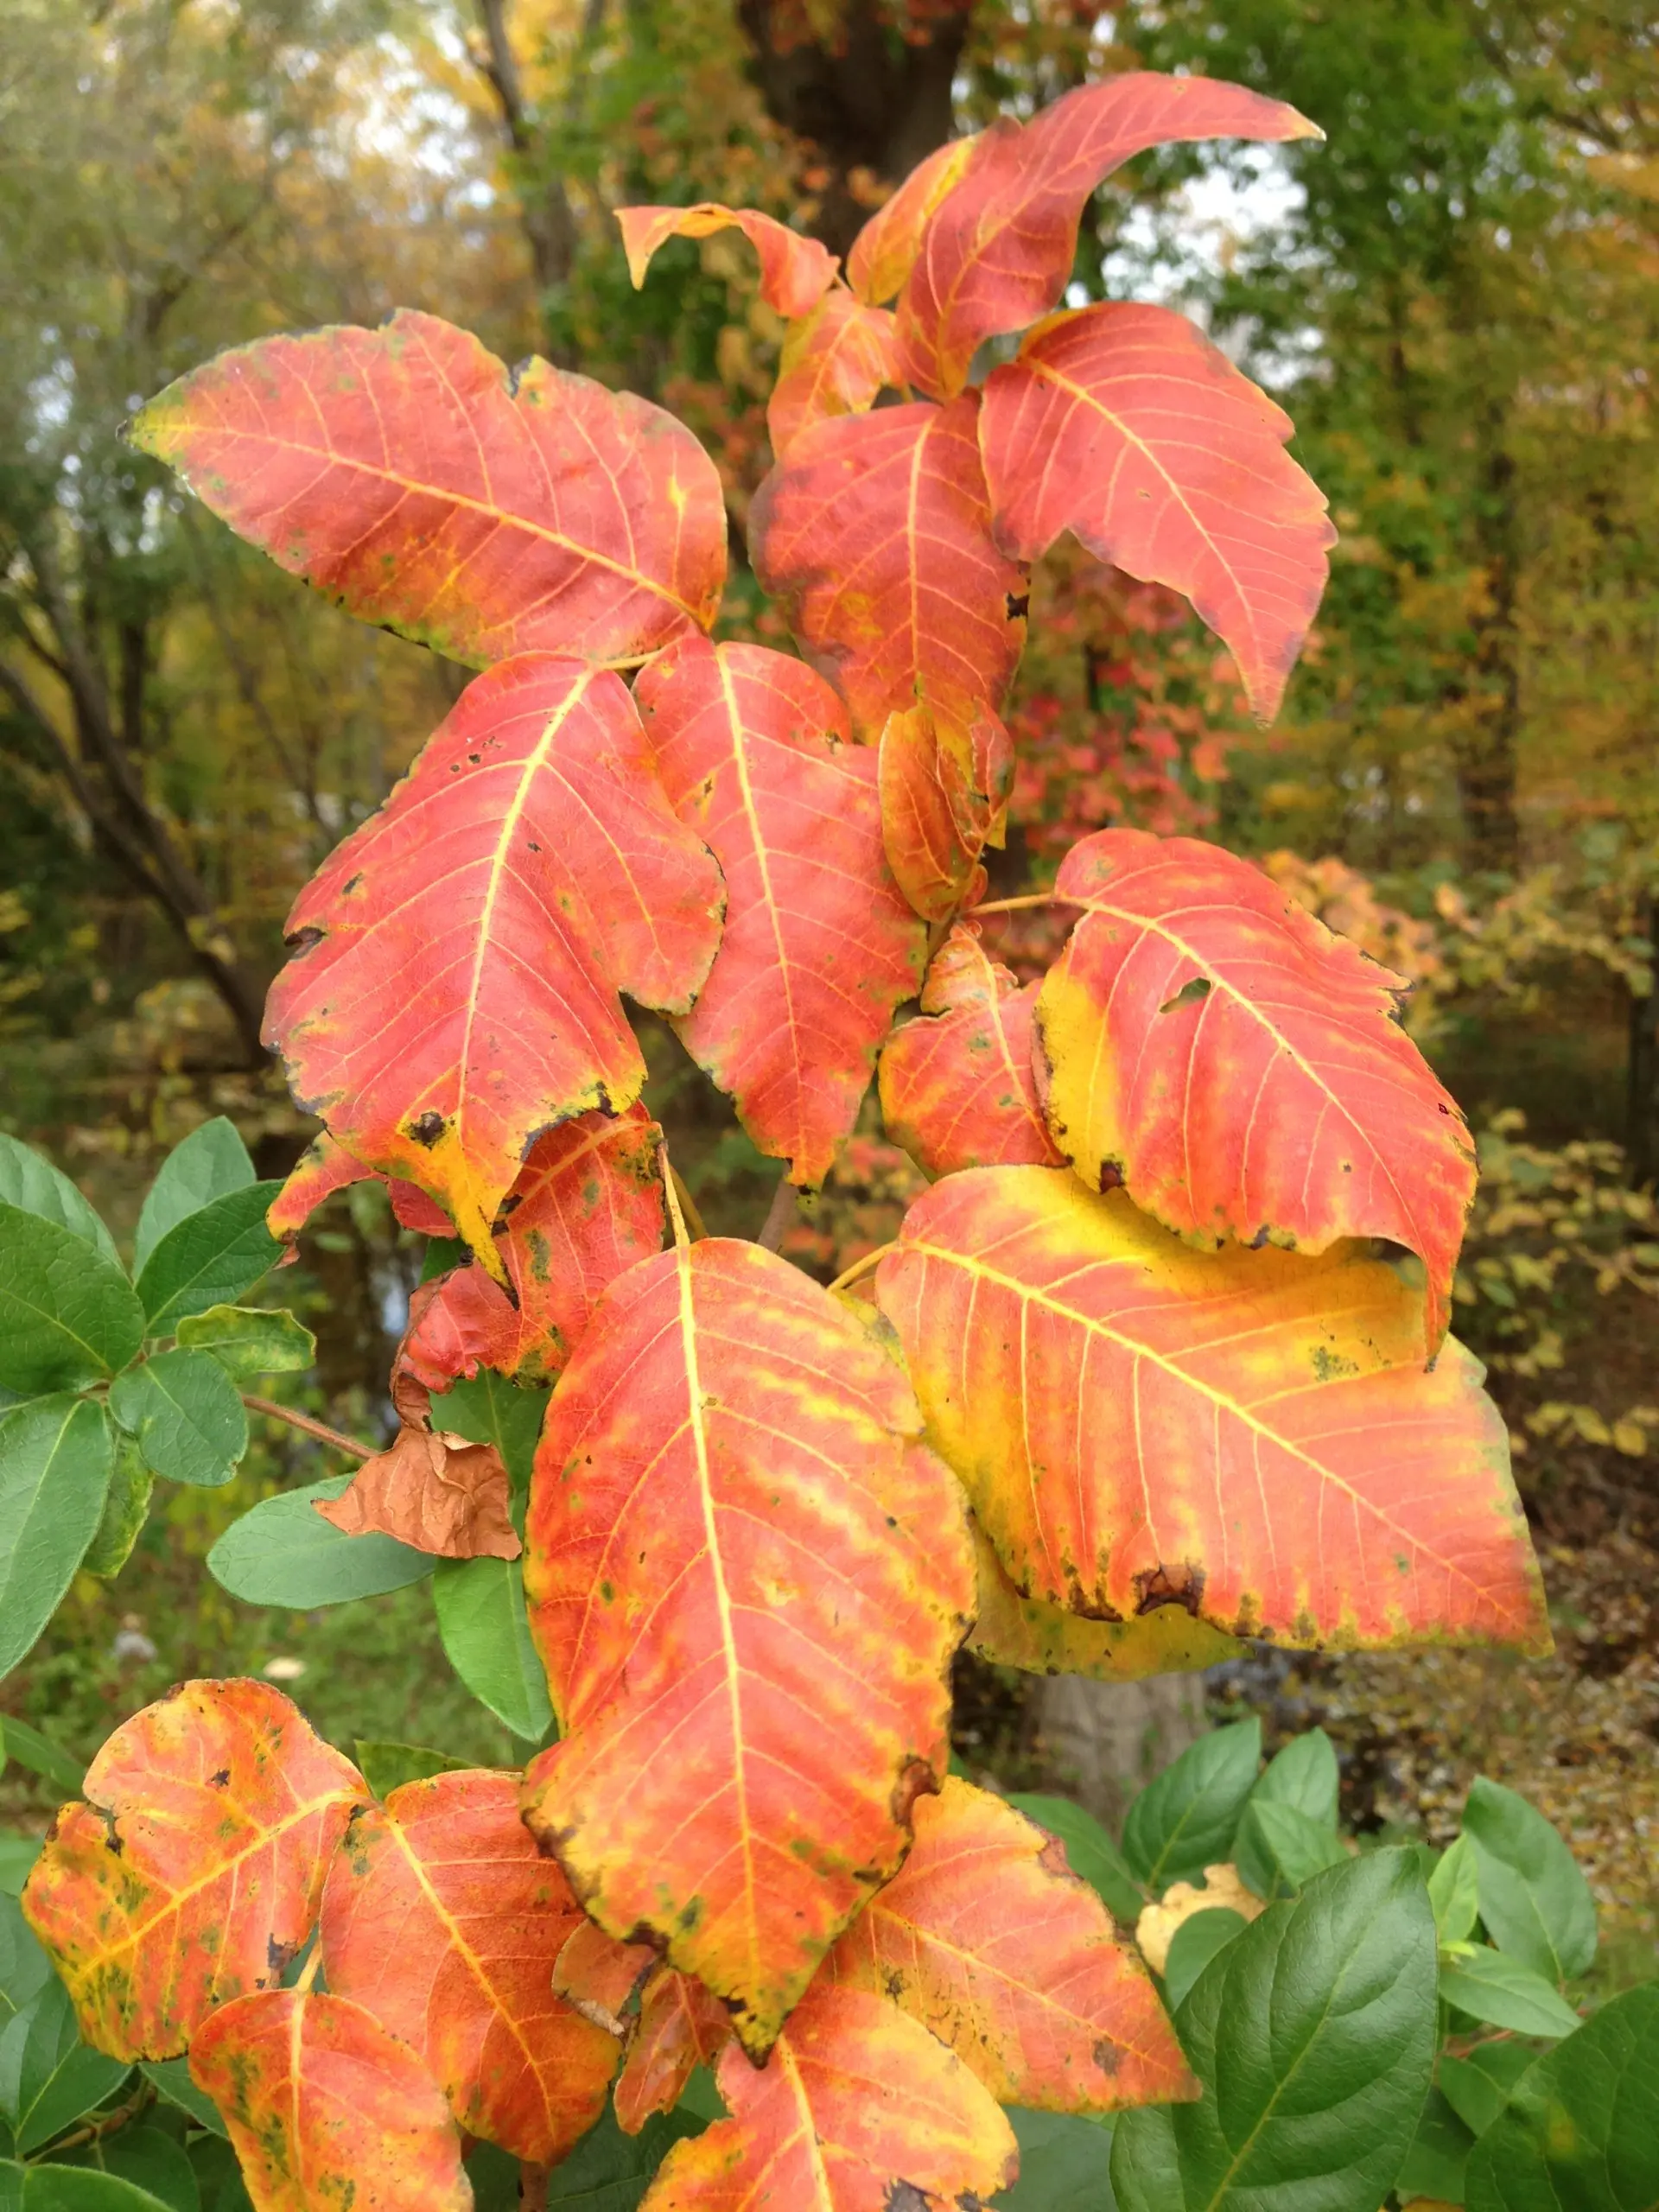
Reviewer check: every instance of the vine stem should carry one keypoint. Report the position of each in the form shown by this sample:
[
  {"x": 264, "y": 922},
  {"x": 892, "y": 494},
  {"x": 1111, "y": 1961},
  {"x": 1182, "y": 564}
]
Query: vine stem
[
  {"x": 779, "y": 1214},
  {"x": 850, "y": 1275},
  {"x": 319, "y": 1429},
  {"x": 1017, "y": 905}
]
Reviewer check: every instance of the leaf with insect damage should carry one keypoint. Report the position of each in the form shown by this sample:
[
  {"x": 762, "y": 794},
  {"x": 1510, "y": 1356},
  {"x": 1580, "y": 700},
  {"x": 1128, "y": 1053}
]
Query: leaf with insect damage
[
  {"x": 987, "y": 1937},
  {"x": 407, "y": 474},
  {"x": 1241, "y": 1067},
  {"x": 999, "y": 247},
  {"x": 944, "y": 798},
  {"x": 1250, "y": 1434},
  {"x": 325, "y": 2107},
  {"x": 443, "y": 1920},
  {"x": 455, "y": 991},
  {"x": 860, "y": 2110},
  {"x": 193, "y": 1872},
  {"x": 819, "y": 946},
  {"x": 957, "y": 1088},
  {"x": 795, "y": 271},
  {"x": 737, "y": 1546},
  {"x": 875, "y": 530},
  {"x": 833, "y": 363},
  {"x": 1125, "y": 425}
]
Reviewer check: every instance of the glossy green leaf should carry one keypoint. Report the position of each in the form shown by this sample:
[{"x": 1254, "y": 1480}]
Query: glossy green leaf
[
  {"x": 489, "y": 1409},
  {"x": 1278, "y": 1848},
  {"x": 55, "y": 1460},
  {"x": 1534, "y": 1898},
  {"x": 609, "y": 2171},
  {"x": 1183, "y": 1821},
  {"x": 126, "y": 1507},
  {"x": 67, "y": 1315},
  {"x": 209, "y": 1163},
  {"x": 485, "y": 1634},
  {"x": 386, "y": 1767},
  {"x": 1313, "y": 2036},
  {"x": 84, "y": 2188},
  {"x": 49, "y": 2077},
  {"x": 1194, "y": 1943},
  {"x": 1455, "y": 1891},
  {"x": 24, "y": 1967},
  {"x": 1580, "y": 2131},
  {"x": 149, "y": 2160},
  {"x": 1064, "y": 2164},
  {"x": 1492, "y": 1987},
  {"x": 186, "y": 1415},
  {"x": 1090, "y": 1852},
  {"x": 1477, "y": 2085},
  {"x": 171, "y": 2078},
  {"x": 209, "y": 1258},
  {"x": 17, "y": 1854},
  {"x": 219, "y": 2177},
  {"x": 40, "y": 1755},
  {"x": 1440, "y": 2150},
  {"x": 32, "y": 1183},
  {"x": 247, "y": 1341},
  {"x": 1304, "y": 1776},
  {"x": 284, "y": 1554}
]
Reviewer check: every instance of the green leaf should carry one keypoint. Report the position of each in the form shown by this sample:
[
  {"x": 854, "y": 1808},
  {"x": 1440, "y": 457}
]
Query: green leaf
[
  {"x": 1090, "y": 1852},
  {"x": 55, "y": 1461},
  {"x": 126, "y": 1508},
  {"x": 1313, "y": 2036},
  {"x": 147, "y": 2160},
  {"x": 67, "y": 1315},
  {"x": 17, "y": 1854},
  {"x": 84, "y": 2188},
  {"x": 1303, "y": 1776},
  {"x": 248, "y": 1340},
  {"x": 219, "y": 2177},
  {"x": 186, "y": 1415},
  {"x": 211, "y": 1162},
  {"x": 1580, "y": 2131},
  {"x": 1477, "y": 2085},
  {"x": 386, "y": 1767},
  {"x": 30, "y": 1749},
  {"x": 1194, "y": 1943},
  {"x": 1434, "y": 2165},
  {"x": 172, "y": 2079},
  {"x": 209, "y": 1258},
  {"x": 609, "y": 2171},
  {"x": 13, "y": 2178},
  {"x": 24, "y": 1967},
  {"x": 284, "y": 1553},
  {"x": 489, "y": 1409},
  {"x": 1063, "y": 2161},
  {"x": 1278, "y": 1849},
  {"x": 1490, "y": 1986},
  {"x": 1454, "y": 1892},
  {"x": 34, "y": 1183},
  {"x": 1535, "y": 1901},
  {"x": 1183, "y": 1821},
  {"x": 485, "y": 1635},
  {"x": 49, "y": 2077}
]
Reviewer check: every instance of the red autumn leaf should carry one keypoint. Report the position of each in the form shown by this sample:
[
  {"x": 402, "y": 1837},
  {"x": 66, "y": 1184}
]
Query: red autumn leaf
[
  {"x": 1250, "y": 1434},
  {"x": 944, "y": 798},
  {"x": 439, "y": 1493},
  {"x": 443, "y": 1919},
  {"x": 406, "y": 474},
  {"x": 860, "y": 2110},
  {"x": 680, "y": 2027},
  {"x": 885, "y": 250},
  {"x": 599, "y": 1975},
  {"x": 193, "y": 1872},
  {"x": 323, "y": 1168},
  {"x": 1044, "y": 1639},
  {"x": 987, "y": 1937},
  {"x": 1126, "y": 426},
  {"x": 1000, "y": 246},
  {"x": 957, "y": 1088},
  {"x": 587, "y": 1203},
  {"x": 323, "y": 2106},
  {"x": 1240, "y": 1066},
  {"x": 875, "y": 533},
  {"x": 833, "y": 363},
  {"x": 454, "y": 993},
  {"x": 795, "y": 271},
  {"x": 737, "y": 1547},
  {"x": 818, "y": 947}
]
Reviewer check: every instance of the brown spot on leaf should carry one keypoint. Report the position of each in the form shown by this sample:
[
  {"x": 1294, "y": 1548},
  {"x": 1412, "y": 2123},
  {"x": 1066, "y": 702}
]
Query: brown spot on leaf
[
  {"x": 1178, "y": 1585},
  {"x": 916, "y": 1779},
  {"x": 429, "y": 1129}
]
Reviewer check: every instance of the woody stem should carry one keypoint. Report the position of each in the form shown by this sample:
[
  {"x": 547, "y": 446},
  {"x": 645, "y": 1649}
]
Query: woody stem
[{"x": 319, "y": 1429}]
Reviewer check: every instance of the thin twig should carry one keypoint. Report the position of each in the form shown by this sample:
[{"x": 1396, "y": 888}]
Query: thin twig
[
  {"x": 319, "y": 1429},
  {"x": 105, "y": 2123},
  {"x": 781, "y": 1215},
  {"x": 693, "y": 1220},
  {"x": 850, "y": 1275}
]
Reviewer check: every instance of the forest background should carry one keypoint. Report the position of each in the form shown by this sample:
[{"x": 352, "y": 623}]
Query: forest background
[{"x": 1454, "y": 295}]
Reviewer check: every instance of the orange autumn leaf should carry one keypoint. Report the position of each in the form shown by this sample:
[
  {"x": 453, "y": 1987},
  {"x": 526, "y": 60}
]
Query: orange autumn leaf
[
  {"x": 1041, "y": 1639},
  {"x": 325, "y": 1166},
  {"x": 987, "y": 1937},
  {"x": 193, "y": 1872},
  {"x": 1250, "y": 1435},
  {"x": 738, "y": 1545},
  {"x": 1127, "y": 427},
  {"x": 458, "y": 962},
  {"x": 833, "y": 363},
  {"x": 944, "y": 798},
  {"x": 875, "y": 530},
  {"x": 680, "y": 2027},
  {"x": 404, "y": 472},
  {"x": 795, "y": 271},
  {"x": 957, "y": 1088},
  {"x": 324, "y": 2107},
  {"x": 859, "y": 2110},
  {"x": 599, "y": 1975},
  {"x": 999, "y": 245},
  {"x": 1241, "y": 1067},
  {"x": 884, "y": 252},
  {"x": 438, "y": 1493},
  {"x": 443, "y": 1919},
  {"x": 819, "y": 946}
]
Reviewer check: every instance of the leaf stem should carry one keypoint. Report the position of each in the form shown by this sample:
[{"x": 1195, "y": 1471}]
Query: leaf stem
[
  {"x": 308, "y": 1974},
  {"x": 693, "y": 1220},
  {"x": 319, "y": 1429},
  {"x": 672, "y": 1189},
  {"x": 1015, "y": 906},
  {"x": 850, "y": 1275},
  {"x": 780, "y": 1215},
  {"x": 105, "y": 2123}
]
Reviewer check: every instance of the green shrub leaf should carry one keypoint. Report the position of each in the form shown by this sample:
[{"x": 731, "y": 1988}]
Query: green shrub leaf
[
  {"x": 55, "y": 1460},
  {"x": 1304, "y": 1776},
  {"x": 126, "y": 1508},
  {"x": 24, "y": 1967},
  {"x": 1278, "y": 1848},
  {"x": 1454, "y": 1892},
  {"x": 67, "y": 1315},
  {"x": 186, "y": 1414},
  {"x": 247, "y": 1341},
  {"x": 1440, "y": 2150},
  {"x": 1194, "y": 1943},
  {"x": 488, "y": 1409},
  {"x": 33, "y": 1184},
  {"x": 1490, "y": 1986},
  {"x": 30, "y": 1749},
  {"x": 49, "y": 2077},
  {"x": 211, "y": 1161},
  {"x": 485, "y": 1634},
  {"x": 1534, "y": 1899},
  {"x": 1582, "y": 2127},
  {"x": 386, "y": 1767},
  {"x": 1064, "y": 2162},
  {"x": 171, "y": 2078},
  {"x": 209, "y": 1258},
  {"x": 1477, "y": 2085},
  {"x": 146, "y": 2159},
  {"x": 1185, "y": 1820},
  {"x": 85, "y": 2189},
  {"x": 609, "y": 2171},
  {"x": 1090, "y": 1852},
  {"x": 282, "y": 1554}
]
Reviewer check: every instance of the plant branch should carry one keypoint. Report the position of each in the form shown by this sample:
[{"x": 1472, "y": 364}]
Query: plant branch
[
  {"x": 319, "y": 1429},
  {"x": 781, "y": 1215},
  {"x": 693, "y": 1220}
]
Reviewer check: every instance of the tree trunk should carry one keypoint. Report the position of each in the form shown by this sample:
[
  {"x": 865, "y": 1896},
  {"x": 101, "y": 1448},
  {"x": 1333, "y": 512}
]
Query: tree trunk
[{"x": 1106, "y": 1740}]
